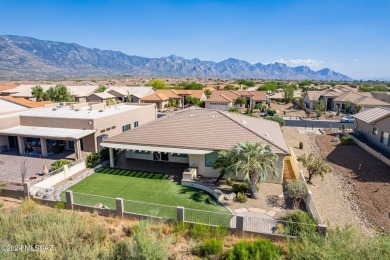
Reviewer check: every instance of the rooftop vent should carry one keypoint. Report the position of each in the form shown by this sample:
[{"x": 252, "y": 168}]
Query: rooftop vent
[
  {"x": 266, "y": 134},
  {"x": 213, "y": 116},
  {"x": 101, "y": 110},
  {"x": 191, "y": 115},
  {"x": 244, "y": 122}
]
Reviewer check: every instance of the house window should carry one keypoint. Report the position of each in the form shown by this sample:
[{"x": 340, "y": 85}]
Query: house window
[
  {"x": 135, "y": 123},
  {"x": 126, "y": 128},
  {"x": 210, "y": 159},
  {"x": 180, "y": 155},
  {"x": 385, "y": 138},
  {"x": 374, "y": 131}
]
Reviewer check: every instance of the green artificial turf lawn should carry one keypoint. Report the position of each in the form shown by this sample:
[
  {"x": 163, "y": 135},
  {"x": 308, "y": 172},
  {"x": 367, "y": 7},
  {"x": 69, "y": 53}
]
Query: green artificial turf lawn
[{"x": 144, "y": 187}]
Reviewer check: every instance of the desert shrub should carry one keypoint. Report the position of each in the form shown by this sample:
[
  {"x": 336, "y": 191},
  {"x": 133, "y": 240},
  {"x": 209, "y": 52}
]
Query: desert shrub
[
  {"x": 347, "y": 140},
  {"x": 198, "y": 231},
  {"x": 241, "y": 197},
  {"x": 299, "y": 222},
  {"x": 243, "y": 187},
  {"x": 229, "y": 182},
  {"x": 297, "y": 190},
  {"x": 93, "y": 160},
  {"x": 181, "y": 227},
  {"x": 234, "y": 109},
  {"x": 209, "y": 246},
  {"x": 58, "y": 164},
  {"x": 346, "y": 243},
  {"x": 276, "y": 119},
  {"x": 105, "y": 155},
  {"x": 270, "y": 112},
  {"x": 259, "y": 249},
  {"x": 59, "y": 205}
]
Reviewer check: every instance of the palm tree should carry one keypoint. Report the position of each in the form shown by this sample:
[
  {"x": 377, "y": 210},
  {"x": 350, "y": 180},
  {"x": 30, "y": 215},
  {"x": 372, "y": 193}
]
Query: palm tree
[
  {"x": 223, "y": 162},
  {"x": 254, "y": 161}
]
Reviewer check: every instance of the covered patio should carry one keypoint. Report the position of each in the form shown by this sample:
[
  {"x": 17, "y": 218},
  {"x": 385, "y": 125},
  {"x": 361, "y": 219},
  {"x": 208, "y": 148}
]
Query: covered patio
[{"x": 45, "y": 141}]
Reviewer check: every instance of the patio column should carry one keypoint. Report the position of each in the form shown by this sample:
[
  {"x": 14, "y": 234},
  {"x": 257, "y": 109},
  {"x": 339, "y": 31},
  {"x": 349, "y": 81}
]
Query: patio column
[
  {"x": 43, "y": 147},
  {"x": 111, "y": 153},
  {"x": 77, "y": 149},
  {"x": 21, "y": 145}
]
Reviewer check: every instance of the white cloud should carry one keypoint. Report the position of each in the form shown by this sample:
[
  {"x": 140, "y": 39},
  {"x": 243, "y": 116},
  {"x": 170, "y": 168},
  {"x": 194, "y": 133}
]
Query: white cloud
[
  {"x": 355, "y": 60},
  {"x": 301, "y": 62}
]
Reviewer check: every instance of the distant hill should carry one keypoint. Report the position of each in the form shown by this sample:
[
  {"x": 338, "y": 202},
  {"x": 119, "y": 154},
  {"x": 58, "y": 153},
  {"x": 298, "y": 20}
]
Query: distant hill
[{"x": 29, "y": 58}]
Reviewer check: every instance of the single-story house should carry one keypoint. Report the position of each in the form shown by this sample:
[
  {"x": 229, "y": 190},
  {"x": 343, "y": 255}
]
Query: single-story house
[
  {"x": 224, "y": 99},
  {"x": 161, "y": 99},
  {"x": 375, "y": 125},
  {"x": 100, "y": 97},
  {"x": 195, "y": 136},
  {"x": 130, "y": 94},
  {"x": 75, "y": 127}
]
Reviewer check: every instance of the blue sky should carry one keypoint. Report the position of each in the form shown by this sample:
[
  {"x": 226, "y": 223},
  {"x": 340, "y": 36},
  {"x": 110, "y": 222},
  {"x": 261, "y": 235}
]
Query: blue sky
[{"x": 352, "y": 37}]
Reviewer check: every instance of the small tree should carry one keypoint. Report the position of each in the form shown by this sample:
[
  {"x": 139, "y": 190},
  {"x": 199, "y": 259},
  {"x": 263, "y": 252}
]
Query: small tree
[
  {"x": 297, "y": 190},
  {"x": 358, "y": 108},
  {"x": 234, "y": 109},
  {"x": 100, "y": 89},
  {"x": 223, "y": 162},
  {"x": 320, "y": 106},
  {"x": 208, "y": 92},
  {"x": 315, "y": 166},
  {"x": 347, "y": 106},
  {"x": 261, "y": 107},
  {"x": 270, "y": 112},
  {"x": 38, "y": 93},
  {"x": 158, "y": 84},
  {"x": 288, "y": 93},
  {"x": 241, "y": 101}
]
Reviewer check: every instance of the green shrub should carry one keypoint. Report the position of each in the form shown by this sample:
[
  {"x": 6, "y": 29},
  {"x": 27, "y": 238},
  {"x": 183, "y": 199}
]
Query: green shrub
[
  {"x": 229, "y": 182},
  {"x": 59, "y": 205},
  {"x": 209, "y": 246},
  {"x": 276, "y": 119},
  {"x": 243, "y": 187},
  {"x": 270, "y": 112},
  {"x": 346, "y": 243},
  {"x": 347, "y": 140},
  {"x": 260, "y": 249},
  {"x": 241, "y": 197},
  {"x": 198, "y": 231},
  {"x": 299, "y": 222},
  {"x": 105, "y": 155},
  {"x": 93, "y": 160},
  {"x": 59, "y": 164}
]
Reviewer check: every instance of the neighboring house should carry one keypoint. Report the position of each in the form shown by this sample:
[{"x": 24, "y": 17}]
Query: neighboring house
[
  {"x": 195, "y": 136},
  {"x": 78, "y": 127},
  {"x": 224, "y": 99},
  {"x": 130, "y": 94},
  {"x": 5, "y": 88},
  {"x": 343, "y": 98},
  {"x": 375, "y": 125},
  {"x": 100, "y": 97},
  {"x": 160, "y": 99},
  {"x": 10, "y": 104},
  {"x": 80, "y": 93}
]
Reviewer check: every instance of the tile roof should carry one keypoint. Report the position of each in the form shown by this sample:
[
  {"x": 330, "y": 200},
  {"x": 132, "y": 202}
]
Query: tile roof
[
  {"x": 373, "y": 115},
  {"x": 170, "y": 93},
  {"x": 158, "y": 97},
  {"x": 25, "y": 102},
  {"x": 103, "y": 95},
  {"x": 361, "y": 99},
  {"x": 138, "y": 92},
  {"x": 314, "y": 95},
  {"x": 7, "y": 87},
  {"x": 221, "y": 98},
  {"x": 214, "y": 130}
]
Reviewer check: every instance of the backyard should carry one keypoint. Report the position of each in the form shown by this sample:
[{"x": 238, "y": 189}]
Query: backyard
[{"x": 143, "y": 193}]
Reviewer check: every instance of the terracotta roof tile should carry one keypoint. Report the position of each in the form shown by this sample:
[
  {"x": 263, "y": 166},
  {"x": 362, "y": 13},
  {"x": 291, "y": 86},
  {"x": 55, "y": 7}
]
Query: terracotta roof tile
[{"x": 26, "y": 102}]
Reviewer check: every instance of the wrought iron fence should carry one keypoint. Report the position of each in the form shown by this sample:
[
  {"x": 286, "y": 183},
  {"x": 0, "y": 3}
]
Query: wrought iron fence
[
  {"x": 93, "y": 200},
  {"x": 150, "y": 209}
]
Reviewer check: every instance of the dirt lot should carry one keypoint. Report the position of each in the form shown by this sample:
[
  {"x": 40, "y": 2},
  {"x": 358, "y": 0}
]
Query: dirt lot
[{"x": 370, "y": 185}]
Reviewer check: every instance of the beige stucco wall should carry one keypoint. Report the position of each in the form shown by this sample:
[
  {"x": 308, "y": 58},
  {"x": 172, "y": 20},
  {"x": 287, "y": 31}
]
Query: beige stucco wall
[
  {"x": 89, "y": 143},
  {"x": 382, "y": 125}
]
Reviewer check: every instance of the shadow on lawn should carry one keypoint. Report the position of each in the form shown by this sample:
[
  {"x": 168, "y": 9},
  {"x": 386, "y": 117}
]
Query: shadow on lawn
[
  {"x": 199, "y": 196},
  {"x": 134, "y": 174}
]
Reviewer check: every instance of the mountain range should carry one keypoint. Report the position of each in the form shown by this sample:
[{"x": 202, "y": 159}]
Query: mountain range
[{"x": 28, "y": 58}]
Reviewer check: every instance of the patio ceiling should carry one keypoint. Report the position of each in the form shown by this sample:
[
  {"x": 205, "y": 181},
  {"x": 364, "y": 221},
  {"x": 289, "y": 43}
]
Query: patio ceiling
[
  {"x": 47, "y": 132},
  {"x": 154, "y": 148}
]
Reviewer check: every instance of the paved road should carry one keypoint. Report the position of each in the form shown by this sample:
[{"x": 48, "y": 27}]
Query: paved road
[{"x": 317, "y": 124}]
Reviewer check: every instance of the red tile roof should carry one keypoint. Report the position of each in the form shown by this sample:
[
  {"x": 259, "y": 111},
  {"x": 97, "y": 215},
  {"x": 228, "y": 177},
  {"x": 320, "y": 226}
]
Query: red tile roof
[{"x": 25, "y": 102}]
